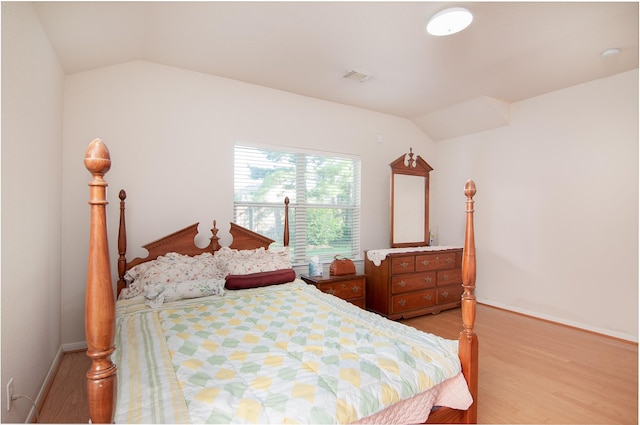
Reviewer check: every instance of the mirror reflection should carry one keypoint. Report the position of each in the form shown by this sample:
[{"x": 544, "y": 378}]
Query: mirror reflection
[{"x": 408, "y": 222}]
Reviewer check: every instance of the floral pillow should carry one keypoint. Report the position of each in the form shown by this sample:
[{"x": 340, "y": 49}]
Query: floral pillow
[
  {"x": 171, "y": 268},
  {"x": 158, "y": 293},
  {"x": 239, "y": 262}
]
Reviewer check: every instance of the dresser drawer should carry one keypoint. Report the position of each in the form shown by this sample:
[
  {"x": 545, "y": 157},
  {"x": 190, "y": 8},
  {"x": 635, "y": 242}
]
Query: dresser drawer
[
  {"x": 412, "y": 282},
  {"x": 403, "y": 264},
  {"x": 449, "y": 277},
  {"x": 449, "y": 294},
  {"x": 345, "y": 290},
  {"x": 435, "y": 261},
  {"x": 413, "y": 301}
]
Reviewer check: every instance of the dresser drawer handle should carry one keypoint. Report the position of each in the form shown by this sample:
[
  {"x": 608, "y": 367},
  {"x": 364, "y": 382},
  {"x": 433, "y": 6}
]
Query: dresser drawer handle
[
  {"x": 402, "y": 302},
  {"x": 404, "y": 264},
  {"x": 330, "y": 291},
  {"x": 425, "y": 262},
  {"x": 428, "y": 279},
  {"x": 448, "y": 260},
  {"x": 402, "y": 283},
  {"x": 427, "y": 297},
  {"x": 355, "y": 289},
  {"x": 445, "y": 294},
  {"x": 445, "y": 277}
]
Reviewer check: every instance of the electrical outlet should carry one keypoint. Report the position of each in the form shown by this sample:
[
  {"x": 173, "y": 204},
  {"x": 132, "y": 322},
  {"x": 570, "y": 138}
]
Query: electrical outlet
[{"x": 9, "y": 394}]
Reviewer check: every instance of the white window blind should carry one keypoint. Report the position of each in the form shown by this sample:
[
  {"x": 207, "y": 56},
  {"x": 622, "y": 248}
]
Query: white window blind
[{"x": 324, "y": 199}]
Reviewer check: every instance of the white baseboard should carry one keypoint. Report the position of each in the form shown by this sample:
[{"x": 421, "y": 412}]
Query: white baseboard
[
  {"x": 48, "y": 381},
  {"x": 607, "y": 332},
  {"x": 74, "y": 346}
]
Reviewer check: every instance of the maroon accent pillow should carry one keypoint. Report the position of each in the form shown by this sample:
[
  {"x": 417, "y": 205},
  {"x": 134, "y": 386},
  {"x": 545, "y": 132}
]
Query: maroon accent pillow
[{"x": 256, "y": 280}]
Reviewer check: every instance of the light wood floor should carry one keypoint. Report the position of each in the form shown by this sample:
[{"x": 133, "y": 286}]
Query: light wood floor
[
  {"x": 531, "y": 371},
  {"x": 66, "y": 401},
  {"x": 534, "y": 371}
]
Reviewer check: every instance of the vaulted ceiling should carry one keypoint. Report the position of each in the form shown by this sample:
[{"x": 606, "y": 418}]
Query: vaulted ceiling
[{"x": 447, "y": 85}]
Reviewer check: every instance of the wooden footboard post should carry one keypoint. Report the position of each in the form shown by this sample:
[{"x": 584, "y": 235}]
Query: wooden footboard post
[
  {"x": 100, "y": 305},
  {"x": 468, "y": 341}
]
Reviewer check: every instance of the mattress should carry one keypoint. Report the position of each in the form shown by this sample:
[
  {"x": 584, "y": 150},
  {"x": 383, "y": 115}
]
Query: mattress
[{"x": 279, "y": 354}]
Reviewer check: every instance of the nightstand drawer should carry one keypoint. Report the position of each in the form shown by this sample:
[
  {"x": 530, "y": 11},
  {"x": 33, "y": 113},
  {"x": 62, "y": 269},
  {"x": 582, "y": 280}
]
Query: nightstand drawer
[
  {"x": 350, "y": 288},
  {"x": 360, "y": 302},
  {"x": 345, "y": 290}
]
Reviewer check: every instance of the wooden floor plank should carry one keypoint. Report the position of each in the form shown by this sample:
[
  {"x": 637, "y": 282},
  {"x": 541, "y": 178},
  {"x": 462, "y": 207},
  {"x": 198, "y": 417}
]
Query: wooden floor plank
[
  {"x": 531, "y": 371},
  {"x": 535, "y": 371},
  {"x": 67, "y": 400}
]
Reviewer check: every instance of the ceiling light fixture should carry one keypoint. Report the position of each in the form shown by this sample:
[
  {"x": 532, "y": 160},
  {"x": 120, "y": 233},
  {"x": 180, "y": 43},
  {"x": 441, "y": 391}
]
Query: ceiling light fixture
[{"x": 449, "y": 21}]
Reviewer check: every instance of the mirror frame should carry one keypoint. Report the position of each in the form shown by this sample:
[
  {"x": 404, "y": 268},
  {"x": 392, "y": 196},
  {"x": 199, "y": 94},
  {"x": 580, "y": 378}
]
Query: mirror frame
[{"x": 408, "y": 165}]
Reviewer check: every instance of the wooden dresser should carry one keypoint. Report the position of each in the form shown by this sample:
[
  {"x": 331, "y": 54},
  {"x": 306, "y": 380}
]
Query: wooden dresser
[
  {"x": 351, "y": 287},
  {"x": 412, "y": 283}
]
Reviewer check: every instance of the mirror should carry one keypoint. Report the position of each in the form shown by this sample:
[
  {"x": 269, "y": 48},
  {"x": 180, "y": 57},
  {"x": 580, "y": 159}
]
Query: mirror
[{"x": 409, "y": 201}]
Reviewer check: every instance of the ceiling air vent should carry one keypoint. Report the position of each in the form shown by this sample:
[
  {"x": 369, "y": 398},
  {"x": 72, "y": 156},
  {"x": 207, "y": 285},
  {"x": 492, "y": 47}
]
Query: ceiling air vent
[{"x": 359, "y": 76}]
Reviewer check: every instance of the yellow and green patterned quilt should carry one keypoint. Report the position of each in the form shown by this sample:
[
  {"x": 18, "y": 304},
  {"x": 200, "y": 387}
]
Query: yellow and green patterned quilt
[{"x": 279, "y": 354}]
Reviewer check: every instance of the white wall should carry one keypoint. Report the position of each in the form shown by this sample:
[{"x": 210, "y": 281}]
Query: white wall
[
  {"x": 557, "y": 205},
  {"x": 171, "y": 134},
  {"x": 32, "y": 87}
]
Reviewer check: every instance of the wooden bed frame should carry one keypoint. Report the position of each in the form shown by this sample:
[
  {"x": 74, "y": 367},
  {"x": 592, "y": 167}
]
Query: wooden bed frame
[
  {"x": 100, "y": 300},
  {"x": 182, "y": 241}
]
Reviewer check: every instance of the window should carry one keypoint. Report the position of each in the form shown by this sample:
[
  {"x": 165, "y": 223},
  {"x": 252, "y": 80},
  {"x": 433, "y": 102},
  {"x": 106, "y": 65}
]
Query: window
[{"x": 324, "y": 199}]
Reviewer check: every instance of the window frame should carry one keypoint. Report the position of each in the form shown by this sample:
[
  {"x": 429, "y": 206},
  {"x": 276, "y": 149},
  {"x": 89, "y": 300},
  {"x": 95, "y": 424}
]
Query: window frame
[{"x": 349, "y": 209}]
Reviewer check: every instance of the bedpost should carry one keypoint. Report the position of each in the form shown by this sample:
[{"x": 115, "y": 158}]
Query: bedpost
[
  {"x": 285, "y": 239},
  {"x": 122, "y": 243},
  {"x": 99, "y": 307},
  {"x": 214, "y": 240},
  {"x": 468, "y": 341}
]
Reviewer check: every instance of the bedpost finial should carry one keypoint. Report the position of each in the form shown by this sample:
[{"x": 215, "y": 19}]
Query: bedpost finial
[
  {"x": 469, "y": 188},
  {"x": 214, "y": 230},
  {"x": 286, "y": 200},
  {"x": 122, "y": 195},
  {"x": 97, "y": 158}
]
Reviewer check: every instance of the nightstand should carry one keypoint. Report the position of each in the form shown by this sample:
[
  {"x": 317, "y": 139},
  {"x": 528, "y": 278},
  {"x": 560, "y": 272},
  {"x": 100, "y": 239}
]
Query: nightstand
[{"x": 349, "y": 287}]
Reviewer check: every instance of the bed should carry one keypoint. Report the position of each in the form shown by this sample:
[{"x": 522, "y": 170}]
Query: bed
[{"x": 230, "y": 335}]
